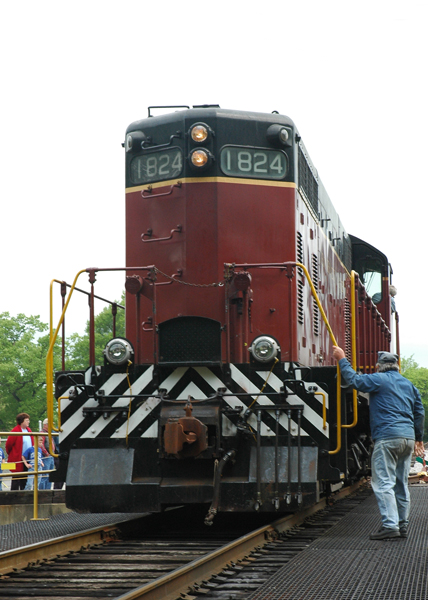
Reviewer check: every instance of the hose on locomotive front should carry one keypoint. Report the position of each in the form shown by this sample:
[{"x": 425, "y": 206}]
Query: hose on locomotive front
[{"x": 218, "y": 470}]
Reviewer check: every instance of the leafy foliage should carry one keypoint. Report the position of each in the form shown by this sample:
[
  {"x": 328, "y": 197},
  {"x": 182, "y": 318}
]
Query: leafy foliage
[
  {"x": 77, "y": 354},
  {"x": 419, "y": 377},
  {"x": 24, "y": 344},
  {"x": 23, "y": 349}
]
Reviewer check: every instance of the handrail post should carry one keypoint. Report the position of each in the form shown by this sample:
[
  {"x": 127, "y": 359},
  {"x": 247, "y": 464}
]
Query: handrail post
[
  {"x": 36, "y": 478},
  {"x": 363, "y": 362},
  {"x": 114, "y": 313},
  {"x": 397, "y": 338},
  {"x": 324, "y": 408},
  {"x": 49, "y": 357},
  {"x": 92, "y": 279},
  {"x": 290, "y": 275},
  {"x": 353, "y": 351},
  {"x": 63, "y": 294}
]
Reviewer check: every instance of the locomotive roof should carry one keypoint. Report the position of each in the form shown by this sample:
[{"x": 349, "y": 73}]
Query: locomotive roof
[
  {"x": 200, "y": 113},
  {"x": 181, "y": 115}
]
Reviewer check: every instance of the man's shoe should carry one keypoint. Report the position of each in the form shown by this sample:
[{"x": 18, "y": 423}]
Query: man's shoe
[
  {"x": 403, "y": 531},
  {"x": 385, "y": 533}
]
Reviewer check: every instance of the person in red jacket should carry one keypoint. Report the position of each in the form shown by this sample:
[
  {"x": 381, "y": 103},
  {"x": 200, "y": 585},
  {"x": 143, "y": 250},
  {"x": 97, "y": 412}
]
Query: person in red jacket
[{"x": 15, "y": 448}]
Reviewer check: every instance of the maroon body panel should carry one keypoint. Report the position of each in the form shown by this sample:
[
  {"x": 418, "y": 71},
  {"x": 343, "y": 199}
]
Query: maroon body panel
[{"x": 218, "y": 222}]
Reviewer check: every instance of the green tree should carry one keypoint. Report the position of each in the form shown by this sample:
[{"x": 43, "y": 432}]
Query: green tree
[
  {"x": 77, "y": 346},
  {"x": 419, "y": 377},
  {"x": 408, "y": 363},
  {"x": 23, "y": 349}
]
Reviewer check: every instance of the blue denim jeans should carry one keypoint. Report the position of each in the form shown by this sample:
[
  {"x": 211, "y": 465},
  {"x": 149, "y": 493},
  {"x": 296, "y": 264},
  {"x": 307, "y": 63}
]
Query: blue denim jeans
[
  {"x": 390, "y": 471},
  {"x": 30, "y": 479},
  {"x": 48, "y": 464}
]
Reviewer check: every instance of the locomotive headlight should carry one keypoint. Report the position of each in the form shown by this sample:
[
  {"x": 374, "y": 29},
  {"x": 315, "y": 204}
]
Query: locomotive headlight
[
  {"x": 199, "y": 133},
  {"x": 201, "y": 158},
  {"x": 118, "y": 351},
  {"x": 264, "y": 349}
]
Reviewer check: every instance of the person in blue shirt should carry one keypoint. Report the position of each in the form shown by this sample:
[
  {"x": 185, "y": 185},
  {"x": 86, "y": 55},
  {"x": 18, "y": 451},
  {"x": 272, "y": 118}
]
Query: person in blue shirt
[
  {"x": 48, "y": 459},
  {"x": 28, "y": 458},
  {"x": 397, "y": 426}
]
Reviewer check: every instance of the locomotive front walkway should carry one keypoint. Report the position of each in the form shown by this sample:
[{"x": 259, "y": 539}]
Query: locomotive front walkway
[{"x": 344, "y": 564}]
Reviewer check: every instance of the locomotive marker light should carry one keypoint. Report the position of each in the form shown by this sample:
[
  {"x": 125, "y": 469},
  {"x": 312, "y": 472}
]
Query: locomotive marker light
[
  {"x": 199, "y": 132},
  {"x": 201, "y": 158},
  {"x": 279, "y": 135},
  {"x": 264, "y": 349},
  {"x": 134, "y": 141},
  {"x": 118, "y": 351}
]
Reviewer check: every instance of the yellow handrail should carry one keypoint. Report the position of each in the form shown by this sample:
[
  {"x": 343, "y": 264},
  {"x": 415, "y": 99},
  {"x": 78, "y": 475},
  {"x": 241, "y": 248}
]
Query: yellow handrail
[
  {"x": 333, "y": 339},
  {"x": 59, "y": 410},
  {"x": 49, "y": 358},
  {"x": 53, "y": 337},
  {"x": 353, "y": 351},
  {"x": 324, "y": 408}
]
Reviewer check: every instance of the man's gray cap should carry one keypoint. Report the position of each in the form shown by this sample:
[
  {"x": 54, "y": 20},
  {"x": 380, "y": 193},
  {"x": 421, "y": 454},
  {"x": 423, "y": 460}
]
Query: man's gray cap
[{"x": 386, "y": 357}]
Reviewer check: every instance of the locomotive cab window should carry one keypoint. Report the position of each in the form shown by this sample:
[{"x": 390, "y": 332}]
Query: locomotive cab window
[
  {"x": 157, "y": 166},
  {"x": 373, "y": 283},
  {"x": 256, "y": 163}
]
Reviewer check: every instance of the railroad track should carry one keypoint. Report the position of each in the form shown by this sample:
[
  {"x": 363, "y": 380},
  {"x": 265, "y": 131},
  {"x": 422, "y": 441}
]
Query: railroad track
[{"x": 159, "y": 560}]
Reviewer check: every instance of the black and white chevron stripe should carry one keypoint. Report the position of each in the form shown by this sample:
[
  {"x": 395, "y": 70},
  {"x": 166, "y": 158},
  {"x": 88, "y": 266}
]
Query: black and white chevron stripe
[{"x": 182, "y": 382}]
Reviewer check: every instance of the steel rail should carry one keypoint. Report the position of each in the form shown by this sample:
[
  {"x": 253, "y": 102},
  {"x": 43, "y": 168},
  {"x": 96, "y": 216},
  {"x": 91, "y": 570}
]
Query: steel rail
[
  {"x": 20, "y": 558},
  {"x": 170, "y": 586}
]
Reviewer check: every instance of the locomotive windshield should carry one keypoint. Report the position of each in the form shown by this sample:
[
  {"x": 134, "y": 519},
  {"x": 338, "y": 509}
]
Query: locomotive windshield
[
  {"x": 157, "y": 166},
  {"x": 258, "y": 163},
  {"x": 373, "y": 283}
]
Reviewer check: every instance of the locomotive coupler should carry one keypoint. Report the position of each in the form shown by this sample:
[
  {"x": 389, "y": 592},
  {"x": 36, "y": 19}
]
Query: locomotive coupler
[{"x": 186, "y": 436}]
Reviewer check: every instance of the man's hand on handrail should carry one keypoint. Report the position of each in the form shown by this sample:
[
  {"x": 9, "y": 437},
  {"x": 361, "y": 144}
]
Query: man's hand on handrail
[{"x": 338, "y": 353}]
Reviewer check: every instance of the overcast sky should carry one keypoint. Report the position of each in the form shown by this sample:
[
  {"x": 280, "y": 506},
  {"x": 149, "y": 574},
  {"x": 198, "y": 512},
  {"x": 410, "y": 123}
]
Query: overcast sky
[{"x": 74, "y": 75}]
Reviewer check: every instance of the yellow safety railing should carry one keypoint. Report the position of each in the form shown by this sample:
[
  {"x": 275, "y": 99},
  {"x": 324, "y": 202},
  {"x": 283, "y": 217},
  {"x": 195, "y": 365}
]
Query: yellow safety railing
[
  {"x": 53, "y": 336},
  {"x": 49, "y": 358},
  {"x": 353, "y": 351},
  {"x": 324, "y": 408},
  {"x": 36, "y": 472},
  {"x": 301, "y": 266},
  {"x": 354, "y": 359},
  {"x": 333, "y": 339}
]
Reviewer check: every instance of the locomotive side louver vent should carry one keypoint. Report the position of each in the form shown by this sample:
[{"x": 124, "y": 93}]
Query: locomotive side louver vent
[
  {"x": 307, "y": 182},
  {"x": 300, "y": 281},
  {"x": 315, "y": 281},
  {"x": 348, "y": 337},
  {"x": 190, "y": 340}
]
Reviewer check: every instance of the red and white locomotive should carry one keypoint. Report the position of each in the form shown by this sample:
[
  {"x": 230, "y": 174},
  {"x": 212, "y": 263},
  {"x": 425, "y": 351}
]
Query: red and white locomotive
[{"x": 239, "y": 277}]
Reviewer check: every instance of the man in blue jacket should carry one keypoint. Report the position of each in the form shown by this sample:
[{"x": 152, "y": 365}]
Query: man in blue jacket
[{"x": 397, "y": 426}]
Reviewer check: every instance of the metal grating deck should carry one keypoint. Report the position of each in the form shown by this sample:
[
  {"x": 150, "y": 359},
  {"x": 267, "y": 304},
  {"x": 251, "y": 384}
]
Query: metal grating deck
[
  {"x": 25, "y": 533},
  {"x": 344, "y": 564}
]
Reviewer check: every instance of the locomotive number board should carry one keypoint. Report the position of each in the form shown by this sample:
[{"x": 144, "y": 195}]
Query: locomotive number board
[
  {"x": 157, "y": 166},
  {"x": 259, "y": 163}
]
